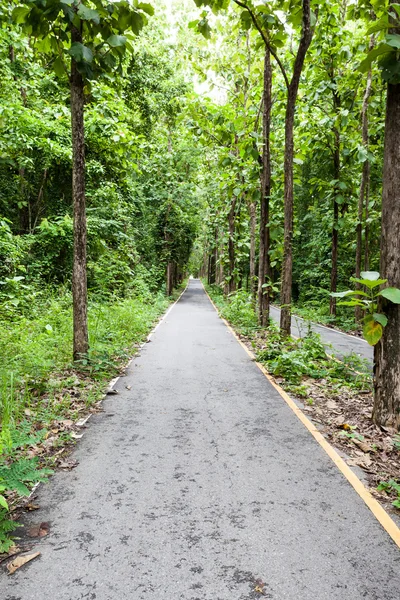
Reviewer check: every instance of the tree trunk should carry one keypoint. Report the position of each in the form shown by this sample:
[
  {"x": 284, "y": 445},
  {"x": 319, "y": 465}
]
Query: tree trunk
[
  {"x": 366, "y": 231},
  {"x": 252, "y": 258},
  {"x": 364, "y": 186},
  {"x": 231, "y": 246},
  {"x": 386, "y": 409},
  {"x": 287, "y": 265},
  {"x": 335, "y": 226},
  {"x": 170, "y": 277},
  {"x": 264, "y": 269},
  {"x": 79, "y": 278}
]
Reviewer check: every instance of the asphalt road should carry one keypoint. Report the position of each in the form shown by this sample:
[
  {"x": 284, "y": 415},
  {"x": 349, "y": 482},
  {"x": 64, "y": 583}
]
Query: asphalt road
[
  {"x": 198, "y": 481},
  {"x": 342, "y": 343}
]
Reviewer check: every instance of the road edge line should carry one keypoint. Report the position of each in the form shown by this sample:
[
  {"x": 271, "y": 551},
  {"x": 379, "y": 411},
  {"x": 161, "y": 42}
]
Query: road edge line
[{"x": 375, "y": 507}]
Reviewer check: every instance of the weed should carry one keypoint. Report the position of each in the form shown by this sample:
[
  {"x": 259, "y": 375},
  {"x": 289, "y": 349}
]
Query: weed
[{"x": 391, "y": 487}]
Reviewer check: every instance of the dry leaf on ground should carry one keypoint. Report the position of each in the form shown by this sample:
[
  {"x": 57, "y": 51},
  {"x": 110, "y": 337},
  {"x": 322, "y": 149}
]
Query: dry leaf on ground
[
  {"x": 363, "y": 445},
  {"x": 39, "y": 530},
  {"x": 69, "y": 464},
  {"x": 20, "y": 561}
]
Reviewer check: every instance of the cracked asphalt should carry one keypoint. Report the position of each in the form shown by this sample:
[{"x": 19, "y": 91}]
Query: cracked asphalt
[{"x": 196, "y": 483}]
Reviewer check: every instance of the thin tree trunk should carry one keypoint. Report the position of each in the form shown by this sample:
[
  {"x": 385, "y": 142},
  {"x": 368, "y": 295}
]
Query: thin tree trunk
[
  {"x": 231, "y": 245},
  {"x": 170, "y": 277},
  {"x": 366, "y": 230},
  {"x": 79, "y": 277},
  {"x": 386, "y": 409},
  {"x": 209, "y": 270},
  {"x": 252, "y": 258},
  {"x": 264, "y": 268},
  {"x": 364, "y": 185},
  {"x": 287, "y": 265},
  {"x": 335, "y": 225},
  {"x": 24, "y": 215}
]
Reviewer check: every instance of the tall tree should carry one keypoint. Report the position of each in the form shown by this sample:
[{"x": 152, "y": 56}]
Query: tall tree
[
  {"x": 364, "y": 190},
  {"x": 386, "y": 409},
  {"x": 81, "y": 42},
  {"x": 292, "y": 85},
  {"x": 264, "y": 267}
]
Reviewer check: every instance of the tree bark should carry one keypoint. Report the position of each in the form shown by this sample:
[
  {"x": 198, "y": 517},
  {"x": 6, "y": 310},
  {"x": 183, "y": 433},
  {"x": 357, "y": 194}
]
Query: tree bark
[
  {"x": 264, "y": 268},
  {"x": 231, "y": 245},
  {"x": 170, "y": 277},
  {"x": 386, "y": 409},
  {"x": 79, "y": 276},
  {"x": 287, "y": 265},
  {"x": 252, "y": 257},
  {"x": 364, "y": 186},
  {"x": 335, "y": 225}
]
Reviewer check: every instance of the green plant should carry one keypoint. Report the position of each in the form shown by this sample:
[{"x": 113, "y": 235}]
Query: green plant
[
  {"x": 6, "y": 527},
  {"x": 374, "y": 322},
  {"x": 239, "y": 310},
  {"x": 294, "y": 359},
  {"x": 15, "y": 476},
  {"x": 391, "y": 487}
]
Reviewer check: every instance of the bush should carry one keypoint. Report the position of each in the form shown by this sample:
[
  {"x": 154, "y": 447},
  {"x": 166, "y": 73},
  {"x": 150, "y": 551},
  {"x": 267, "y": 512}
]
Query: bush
[{"x": 240, "y": 310}]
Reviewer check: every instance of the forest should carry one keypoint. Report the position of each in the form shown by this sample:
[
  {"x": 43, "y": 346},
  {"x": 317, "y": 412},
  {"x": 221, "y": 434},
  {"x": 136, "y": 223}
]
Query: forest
[{"x": 252, "y": 143}]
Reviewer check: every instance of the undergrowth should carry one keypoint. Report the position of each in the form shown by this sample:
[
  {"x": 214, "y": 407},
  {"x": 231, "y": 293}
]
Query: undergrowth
[{"x": 319, "y": 313}]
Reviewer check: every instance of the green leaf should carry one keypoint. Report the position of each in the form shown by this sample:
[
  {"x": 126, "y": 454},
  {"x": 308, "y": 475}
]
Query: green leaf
[
  {"x": 380, "y": 25},
  {"x": 116, "y": 41},
  {"x": 392, "y": 294},
  {"x": 393, "y": 39},
  {"x": 3, "y": 502},
  {"x": 382, "y": 319},
  {"x": 136, "y": 22},
  {"x": 58, "y": 67},
  {"x": 88, "y": 14},
  {"x": 365, "y": 65},
  {"x": 204, "y": 28},
  {"x": 80, "y": 53},
  {"x": 147, "y": 8},
  {"x": 20, "y": 13},
  {"x": 343, "y": 294},
  {"x": 370, "y": 284},
  {"x": 351, "y": 303},
  {"x": 372, "y": 330}
]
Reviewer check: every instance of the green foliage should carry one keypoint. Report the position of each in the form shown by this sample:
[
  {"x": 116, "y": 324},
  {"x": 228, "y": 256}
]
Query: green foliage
[
  {"x": 295, "y": 359},
  {"x": 18, "y": 475},
  {"x": 391, "y": 487},
  {"x": 374, "y": 322},
  {"x": 7, "y": 526},
  {"x": 102, "y": 30},
  {"x": 239, "y": 310}
]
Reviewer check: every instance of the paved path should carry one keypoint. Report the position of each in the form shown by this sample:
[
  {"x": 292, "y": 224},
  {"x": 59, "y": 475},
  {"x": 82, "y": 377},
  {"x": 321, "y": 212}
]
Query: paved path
[
  {"x": 198, "y": 481},
  {"x": 342, "y": 343}
]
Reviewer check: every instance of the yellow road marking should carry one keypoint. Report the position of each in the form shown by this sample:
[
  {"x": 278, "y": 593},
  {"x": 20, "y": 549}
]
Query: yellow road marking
[{"x": 375, "y": 507}]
